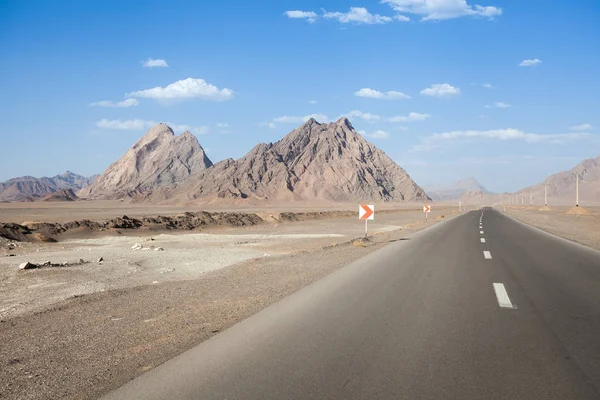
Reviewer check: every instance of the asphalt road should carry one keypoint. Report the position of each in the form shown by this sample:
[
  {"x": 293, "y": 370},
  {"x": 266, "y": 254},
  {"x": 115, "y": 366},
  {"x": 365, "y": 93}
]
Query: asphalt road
[{"x": 443, "y": 315}]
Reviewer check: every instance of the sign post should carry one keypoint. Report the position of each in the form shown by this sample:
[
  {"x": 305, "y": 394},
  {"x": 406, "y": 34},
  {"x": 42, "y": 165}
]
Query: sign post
[
  {"x": 366, "y": 212},
  {"x": 426, "y": 210},
  {"x": 576, "y": 190}
]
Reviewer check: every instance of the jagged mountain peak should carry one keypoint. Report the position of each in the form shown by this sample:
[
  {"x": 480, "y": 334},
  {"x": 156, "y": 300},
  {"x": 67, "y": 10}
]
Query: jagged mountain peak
[
  {"x": 159, "y": 159},
  {"x": 313, "y": 162}
]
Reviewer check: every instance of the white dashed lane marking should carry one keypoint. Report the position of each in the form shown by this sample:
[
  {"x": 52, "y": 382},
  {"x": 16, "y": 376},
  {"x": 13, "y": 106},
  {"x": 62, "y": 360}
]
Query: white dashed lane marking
[
  {"x": 487, "y": 255},
  {"x": 482, "y": 240},
  {"x": 481, "y": 232},
  {"x": 502, "y": 296}
]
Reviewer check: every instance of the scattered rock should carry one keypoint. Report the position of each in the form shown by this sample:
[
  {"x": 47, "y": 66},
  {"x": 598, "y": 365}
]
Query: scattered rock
[
  {"x": 137, "y": 246},
  {"x": 11, "y": 255},
  {"x": 100, "y": 260},
  {"x": 159, "y": 249},
  {"x": 148, "y": 239},
  {"x": 28, "y": 265},
  {"x": 81, "y": 261}
]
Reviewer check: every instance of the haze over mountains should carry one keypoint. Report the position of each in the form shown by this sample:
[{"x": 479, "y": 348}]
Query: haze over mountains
[
  {"x": 28, "y": 188},
  {"x": 329, "y": 162},
  {"x": 454, "y": 190}
]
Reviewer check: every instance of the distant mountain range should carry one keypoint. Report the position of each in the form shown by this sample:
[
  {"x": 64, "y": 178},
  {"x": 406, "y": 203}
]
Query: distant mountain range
[
  {"x": 28, "y": 188},
  {"x": 324, "y": 162},
  {"x": 561, "y": 186},
  {"x": 454, "y": 190}
]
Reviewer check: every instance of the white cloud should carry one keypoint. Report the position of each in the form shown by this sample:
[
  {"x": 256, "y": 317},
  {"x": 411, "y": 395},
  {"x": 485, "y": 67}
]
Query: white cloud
[
  {"x": 582, "y": 127},
  {"x": 186, "y": 89},
  {"x": 124, "y": 103},
  {"x": 498, "y": 104},
  {"x": 313, "y": 102},
  {"x": 153, "y": 63},
  {"x": 437, "y": 10},
  {"x": 140, "y": 125},
  {"x": 488, "y": 86},
  {"x": 401, "y": 18},
  {"x": 379, "y": 134},
  {"x": 376, "y": 94},
  {"x": 270, "y": 125},
  {"x": 128, "y": 125},
  {"x": 362, "y": 115},
  {"x": 358, "y": 15},
  {"x": 440, "y": 90},
  {"x": 222, "y": 125},
  {"x": 300, "y": 120},
  {"x": 310, "y": 16},
  {"x": 530, "y": 63},
  {"x": 412, "y": 116},
  {"x": 432, "y": 141}
]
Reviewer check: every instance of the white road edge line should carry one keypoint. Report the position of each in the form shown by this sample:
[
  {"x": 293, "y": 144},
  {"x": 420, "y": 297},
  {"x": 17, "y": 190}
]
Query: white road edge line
[
  {"x": 502, "y": 296},
  {"x": 482, "y": 240},
  {"x": 487, "y": 255}
]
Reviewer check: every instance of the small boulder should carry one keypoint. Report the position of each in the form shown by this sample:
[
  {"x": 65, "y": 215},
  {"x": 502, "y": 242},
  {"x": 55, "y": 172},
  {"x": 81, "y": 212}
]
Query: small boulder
[
  {"x": 159, "y": 249},
  {"x": 137, "y": 246},
  {"x": 28, "y": 265},
  {"x": 100, "y": 260},
  {"x": 81, "y": 261}
]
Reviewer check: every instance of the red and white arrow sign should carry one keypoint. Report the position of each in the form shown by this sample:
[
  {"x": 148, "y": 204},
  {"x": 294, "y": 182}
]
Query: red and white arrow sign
[
  {"x": 366, "y": 211},
  {"x": 426, "y": 208}
]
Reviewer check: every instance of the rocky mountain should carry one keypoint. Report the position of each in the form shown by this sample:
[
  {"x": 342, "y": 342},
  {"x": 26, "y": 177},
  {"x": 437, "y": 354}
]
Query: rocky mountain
[
  {"x": 329, "y": 162},
  {"x": 158, "y": 160},
  {"x": 561, "y": 186},
  {"x": 454, "y": 190},
  {"x": 61, "y": 195},
  {"x": 28, "y": 188}
]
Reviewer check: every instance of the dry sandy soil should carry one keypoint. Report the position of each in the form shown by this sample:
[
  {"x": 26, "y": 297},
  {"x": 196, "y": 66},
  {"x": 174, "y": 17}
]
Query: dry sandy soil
[
  {"x": 76, "y": 332},
  {"x": 580, "y": 228},
  {"x": 105, "y": 209}
]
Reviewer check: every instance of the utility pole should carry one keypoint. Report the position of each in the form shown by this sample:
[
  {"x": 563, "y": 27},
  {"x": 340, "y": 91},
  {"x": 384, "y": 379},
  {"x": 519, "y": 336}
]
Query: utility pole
[
  {"x": 545, "y": 195},
  {"x": 531, "y": 197},
  {"x": 576, "y": 190}
]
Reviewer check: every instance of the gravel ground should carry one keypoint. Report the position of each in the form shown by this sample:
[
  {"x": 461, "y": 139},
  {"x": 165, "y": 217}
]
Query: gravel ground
[
  {"x": 87, "y": 345},
  {"x": 186, "y": 256},
  {"x": 583, "y": 229}
]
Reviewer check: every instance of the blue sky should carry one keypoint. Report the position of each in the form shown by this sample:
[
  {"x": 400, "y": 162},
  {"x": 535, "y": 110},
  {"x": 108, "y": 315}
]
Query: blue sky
[{"x": 76, "y": 94}]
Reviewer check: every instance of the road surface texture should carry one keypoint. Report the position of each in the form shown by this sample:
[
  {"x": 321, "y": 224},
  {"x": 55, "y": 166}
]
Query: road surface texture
[{"x": 463, "y": 310}]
